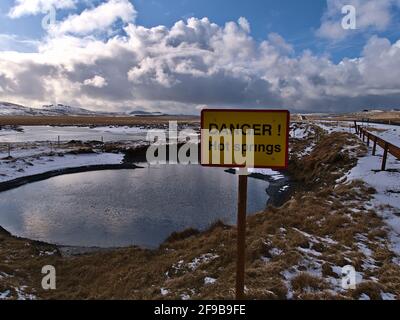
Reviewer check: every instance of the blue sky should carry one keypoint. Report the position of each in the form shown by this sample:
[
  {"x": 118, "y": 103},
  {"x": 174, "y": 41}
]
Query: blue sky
[
  {"x": 302, "y": 36},
  {"x": 296, "y": 21}
]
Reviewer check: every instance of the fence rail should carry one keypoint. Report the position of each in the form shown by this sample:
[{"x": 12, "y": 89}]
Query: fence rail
[
  {"x": 377, "y": 141},
  {"x": 375, "y": 121}
]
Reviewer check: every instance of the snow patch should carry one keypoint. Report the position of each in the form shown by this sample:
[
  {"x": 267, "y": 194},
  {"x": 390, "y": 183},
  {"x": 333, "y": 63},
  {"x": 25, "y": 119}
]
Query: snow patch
[
  {"x": 164, "y": 292},
  {"x": 208, "y": 280},
  {"x": 11, "y": 170}
]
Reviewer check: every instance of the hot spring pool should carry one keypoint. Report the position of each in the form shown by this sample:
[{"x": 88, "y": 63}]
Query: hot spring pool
[{"x": 125, "y": 207}]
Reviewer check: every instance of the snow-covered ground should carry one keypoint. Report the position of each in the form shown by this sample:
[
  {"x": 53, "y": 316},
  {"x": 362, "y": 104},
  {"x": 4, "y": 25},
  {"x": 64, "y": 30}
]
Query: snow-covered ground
[
  {"x": 301, "y": 131},
  {"x": 312, "y": 265},
  {"x": 191, "y": 266},
  {"x": 35, "y": 149},
  {"x": 387, "y": 197},
  {"x": 386, "y": 183},
  {"x": 21, "y": 294},
  {"x": 67, "y": 133},
  {"x": 389, "y": 133},
  {"x": 49, "y": 133},
  {"x": 17, "y": 168},
  {"x": 272, "y": 174},
  {"x": 335, "y": 126}
]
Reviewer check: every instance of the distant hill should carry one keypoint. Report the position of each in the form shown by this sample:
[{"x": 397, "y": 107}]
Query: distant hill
[
  {"x": 145, "y": 113},
  {"x": 61, "y": 109},
  {"x": 12, "y": 109}
]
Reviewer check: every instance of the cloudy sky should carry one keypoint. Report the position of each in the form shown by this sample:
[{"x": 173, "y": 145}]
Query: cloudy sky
[{"x": 180, "y": 56}]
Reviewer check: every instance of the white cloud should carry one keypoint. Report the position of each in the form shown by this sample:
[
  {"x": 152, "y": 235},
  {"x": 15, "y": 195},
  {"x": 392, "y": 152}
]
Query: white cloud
[
  {"x": 371, "y": 15},
  {"x": 279, "y": 42},
  {"x": 97, "y": 19},
  {"x": 96, "y": 81},
  {"x": 244, "y": 24},
  {"x": 33, "y": 7},
  {"x": 193, "y": 63},
  {"x": 10, "y": 42}
]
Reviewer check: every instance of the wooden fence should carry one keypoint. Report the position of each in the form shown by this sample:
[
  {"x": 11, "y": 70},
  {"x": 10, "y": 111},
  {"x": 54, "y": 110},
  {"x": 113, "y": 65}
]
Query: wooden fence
[
  {"x": 389, "y": 122},
  {"x": 377, "y": 141}
]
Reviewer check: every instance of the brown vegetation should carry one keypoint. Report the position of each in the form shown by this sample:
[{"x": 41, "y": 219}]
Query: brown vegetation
[
  {"x": 292, "y": 251},
  {"x": 382, "y": 116},
  {"x": 92, "y": 120}
]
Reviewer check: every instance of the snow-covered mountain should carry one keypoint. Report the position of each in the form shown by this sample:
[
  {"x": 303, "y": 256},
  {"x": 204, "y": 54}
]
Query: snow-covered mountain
[
  {"x": 11, "y": 109},
  {"x": 61, "y": 109}
]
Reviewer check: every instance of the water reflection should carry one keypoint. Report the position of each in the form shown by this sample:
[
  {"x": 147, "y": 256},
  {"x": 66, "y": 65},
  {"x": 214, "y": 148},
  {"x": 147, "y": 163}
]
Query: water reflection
[{"x": 128, "y": 207}]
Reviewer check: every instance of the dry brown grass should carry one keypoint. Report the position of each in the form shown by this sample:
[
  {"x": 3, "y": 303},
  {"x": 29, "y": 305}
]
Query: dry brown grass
[
  {"x": 90, "y": 120},
  {"x": 318, "y": 229},
  {"x": 307, "y": 283},
  {"x": 327, "y": 162},
  {"x": 359, "y": 116},
  {"x": 372, "y": 289}
]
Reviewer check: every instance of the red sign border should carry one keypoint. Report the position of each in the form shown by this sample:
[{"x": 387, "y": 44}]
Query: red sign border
[{"x": 247, "y": 111}]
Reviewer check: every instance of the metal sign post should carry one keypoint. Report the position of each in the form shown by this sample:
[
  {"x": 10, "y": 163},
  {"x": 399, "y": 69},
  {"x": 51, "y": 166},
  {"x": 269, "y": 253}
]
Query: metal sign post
[
  {"x": 241, "y": 234},
  {"x": 268, "y": 147}
]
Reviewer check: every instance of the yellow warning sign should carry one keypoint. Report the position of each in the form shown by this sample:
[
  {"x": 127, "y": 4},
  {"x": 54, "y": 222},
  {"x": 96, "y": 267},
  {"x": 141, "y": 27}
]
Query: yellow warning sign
[{"x": 245, "y": 138}]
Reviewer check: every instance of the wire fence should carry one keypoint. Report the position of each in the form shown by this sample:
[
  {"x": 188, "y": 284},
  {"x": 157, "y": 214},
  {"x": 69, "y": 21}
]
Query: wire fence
[{"x": 58, "y": 143}]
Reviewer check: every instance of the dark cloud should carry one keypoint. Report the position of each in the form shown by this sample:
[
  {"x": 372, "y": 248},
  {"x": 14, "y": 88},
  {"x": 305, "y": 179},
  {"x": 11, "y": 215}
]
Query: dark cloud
[{"x": 197, "y": 63}]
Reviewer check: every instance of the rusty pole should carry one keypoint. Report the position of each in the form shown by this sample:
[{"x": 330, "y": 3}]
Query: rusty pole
[{"x": 241, "y": 236}]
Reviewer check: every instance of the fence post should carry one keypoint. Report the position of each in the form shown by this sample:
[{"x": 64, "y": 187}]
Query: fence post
[
  {"x": 58, "y": 142},
  {"x": 241, "y": 237},
  {"x": 9, "y": 150},
  {"x": 355, "y": 126},
  {"x": 385, "y": 154},
  {"x": 368, "y": 139},
  {"x": 374, "y": 148}
]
